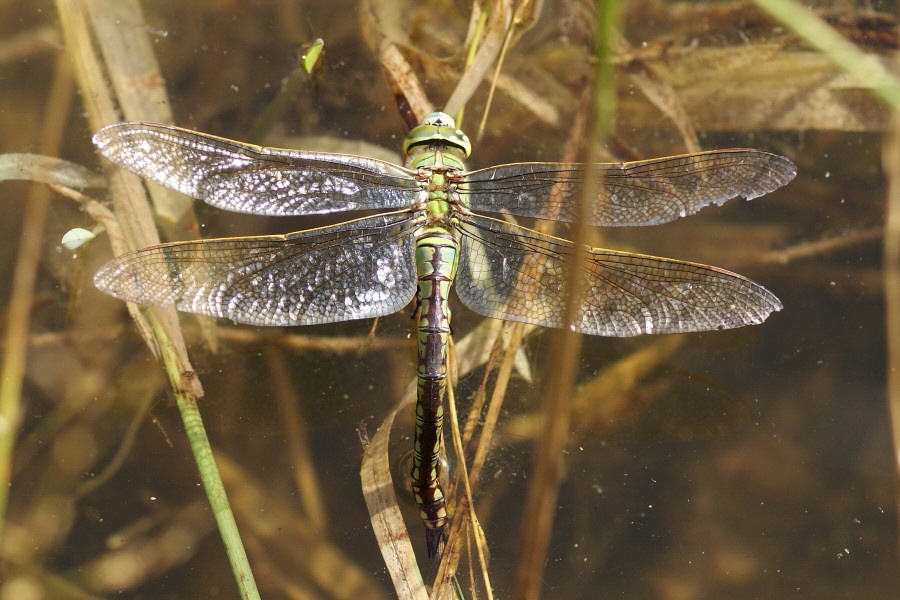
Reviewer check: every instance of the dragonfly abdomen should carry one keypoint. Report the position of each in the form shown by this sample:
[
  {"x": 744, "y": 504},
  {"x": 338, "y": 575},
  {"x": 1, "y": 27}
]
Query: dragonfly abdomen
[{"x": 437, "y": 253}]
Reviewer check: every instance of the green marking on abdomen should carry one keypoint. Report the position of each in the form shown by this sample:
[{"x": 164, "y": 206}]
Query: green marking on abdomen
[{"x": 436, "y": 259}]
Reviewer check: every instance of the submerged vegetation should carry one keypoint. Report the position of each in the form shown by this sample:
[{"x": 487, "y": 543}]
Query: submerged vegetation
[{"x": 748, "y": 463}]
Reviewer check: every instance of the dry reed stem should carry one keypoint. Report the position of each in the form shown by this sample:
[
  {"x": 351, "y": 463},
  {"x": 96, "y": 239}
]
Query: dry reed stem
[
  {"x": 384, "y": 511},
  {"x": 411, "y": 98},
  {"x": 481, "y": 393},
  {"x": 56, "y": 112},
  {"x": 101, "y": 110},
  {"x": 523, "y": 19},
  {"x": 466, "y": 519},
  {"x": 540, "y": 507},
  {"x": 891, "y": 160},
  {"x": 117, "y": 28},
  {"x": 547, "y": 473},
  {"x": 515, "y": 332},
  {"x": 498, "y": 23}
]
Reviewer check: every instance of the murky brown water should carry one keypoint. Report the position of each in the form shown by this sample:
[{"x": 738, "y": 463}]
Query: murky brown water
[{"x": 753, "y": 463}]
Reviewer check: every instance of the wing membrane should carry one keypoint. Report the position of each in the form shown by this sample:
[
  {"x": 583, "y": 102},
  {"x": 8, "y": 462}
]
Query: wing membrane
[
  {"x": 354, "y": 270},
  {"x": 513, "y": 273},
  {"x": 647, "y": 192},
  {"x": 254, "y": 179}
]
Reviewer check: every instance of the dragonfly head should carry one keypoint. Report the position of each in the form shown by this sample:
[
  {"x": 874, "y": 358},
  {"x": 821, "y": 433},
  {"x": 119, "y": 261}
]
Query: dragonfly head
[{"x": 438, "y": 128}]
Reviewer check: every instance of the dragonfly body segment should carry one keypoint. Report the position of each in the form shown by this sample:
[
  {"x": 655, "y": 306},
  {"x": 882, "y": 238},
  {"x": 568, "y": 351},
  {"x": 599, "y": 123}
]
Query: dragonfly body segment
[
  {"x": 437, "y": 254},
  {"x": 431, "y": 238}
]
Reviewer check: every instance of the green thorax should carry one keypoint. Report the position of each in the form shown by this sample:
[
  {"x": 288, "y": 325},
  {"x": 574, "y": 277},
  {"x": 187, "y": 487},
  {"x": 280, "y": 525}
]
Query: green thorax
[{"x": 438, "y": 148}]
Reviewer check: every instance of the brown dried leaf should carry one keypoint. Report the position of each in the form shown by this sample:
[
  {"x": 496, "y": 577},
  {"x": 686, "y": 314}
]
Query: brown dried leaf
[
  {"x": 759, "y": 87},
  {"x": 384, "y": 511}
]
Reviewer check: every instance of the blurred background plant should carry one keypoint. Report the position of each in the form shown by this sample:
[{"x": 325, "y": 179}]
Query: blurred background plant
[{"x": 747, "y": 463}]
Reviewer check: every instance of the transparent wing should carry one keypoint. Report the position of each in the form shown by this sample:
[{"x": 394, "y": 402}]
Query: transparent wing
[
  {"x": 513, "y": 273},
  {"x": 354, "y": 270},
  {"x": 647, "y": 192},
  {"x": 253, "y": 179}
]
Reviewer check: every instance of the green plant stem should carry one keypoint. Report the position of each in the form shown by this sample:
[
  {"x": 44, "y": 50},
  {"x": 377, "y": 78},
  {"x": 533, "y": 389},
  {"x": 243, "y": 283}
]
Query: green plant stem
[
  {"x": 543, "y": 492},
  {"x": 206, "y": 465},
  {"x": 865, "y": 67}
]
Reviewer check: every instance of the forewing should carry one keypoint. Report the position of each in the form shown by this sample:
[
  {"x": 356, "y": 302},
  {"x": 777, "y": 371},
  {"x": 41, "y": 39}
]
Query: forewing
[
  {"x": 254, "y": 179},
  {"x": 647, "y": 192},
  {"x": 354, "y": 270},
  {"x": 517, "y": 274}
]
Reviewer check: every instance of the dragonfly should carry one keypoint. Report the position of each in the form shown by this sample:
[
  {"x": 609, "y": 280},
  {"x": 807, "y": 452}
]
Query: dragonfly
[{"x": 431, "y": 235}]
